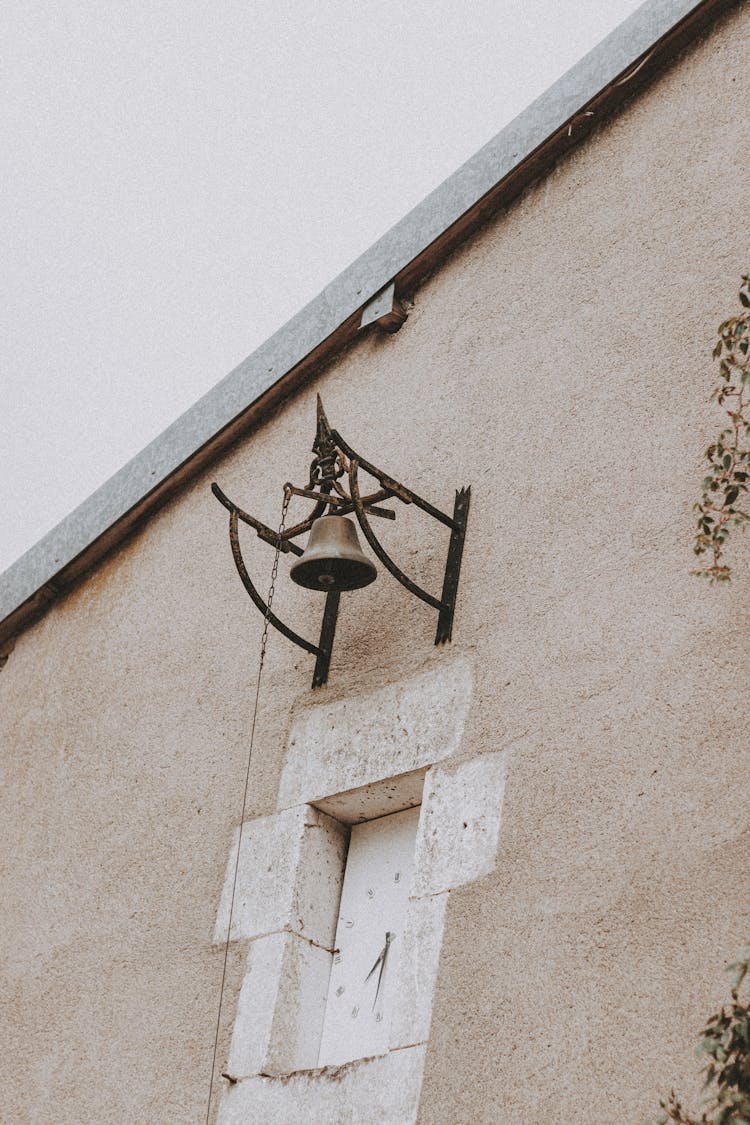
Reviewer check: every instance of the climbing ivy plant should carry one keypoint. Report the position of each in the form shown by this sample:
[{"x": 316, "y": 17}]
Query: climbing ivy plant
[
  {"x": 726, "y": 1042},
  {"x": 726, "y": 483}
]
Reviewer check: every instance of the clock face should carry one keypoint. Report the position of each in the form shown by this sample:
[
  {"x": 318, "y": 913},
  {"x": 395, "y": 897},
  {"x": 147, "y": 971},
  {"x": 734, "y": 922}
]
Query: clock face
[{"x": 372, "y": 912}]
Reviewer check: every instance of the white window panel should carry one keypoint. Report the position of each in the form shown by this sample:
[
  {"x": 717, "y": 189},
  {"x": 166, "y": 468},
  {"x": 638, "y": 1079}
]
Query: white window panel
[{"x": 370, "y": 930}]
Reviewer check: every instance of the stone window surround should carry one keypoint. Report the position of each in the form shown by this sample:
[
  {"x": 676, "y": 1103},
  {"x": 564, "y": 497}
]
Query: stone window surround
[{"x": 289, "y": 883}]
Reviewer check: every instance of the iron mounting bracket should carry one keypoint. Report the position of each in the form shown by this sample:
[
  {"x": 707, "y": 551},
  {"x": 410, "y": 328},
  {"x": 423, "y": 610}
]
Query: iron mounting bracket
[{"x": 334, "y": 461}]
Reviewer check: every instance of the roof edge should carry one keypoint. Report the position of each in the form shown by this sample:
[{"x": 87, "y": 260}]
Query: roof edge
[{"x": 558, "y": 120}]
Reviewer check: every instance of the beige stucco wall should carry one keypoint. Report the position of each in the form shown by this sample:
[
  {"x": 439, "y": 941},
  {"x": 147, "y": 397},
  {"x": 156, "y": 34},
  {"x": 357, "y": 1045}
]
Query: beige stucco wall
[{"x": 560, "y": 365}]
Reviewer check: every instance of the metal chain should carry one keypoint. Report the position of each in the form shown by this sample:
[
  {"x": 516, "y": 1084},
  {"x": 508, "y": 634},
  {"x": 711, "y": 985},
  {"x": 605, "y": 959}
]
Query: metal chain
[
  {"x": 274, "y": 575},
  {"x": 261, "y": 661}
]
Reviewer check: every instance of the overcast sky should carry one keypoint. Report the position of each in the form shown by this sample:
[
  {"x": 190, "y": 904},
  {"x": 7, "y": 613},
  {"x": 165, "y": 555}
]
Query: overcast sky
[{"x": 181, "y": 177}]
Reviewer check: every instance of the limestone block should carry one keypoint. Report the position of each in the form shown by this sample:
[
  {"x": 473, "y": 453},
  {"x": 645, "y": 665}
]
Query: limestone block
[
  {"x": 390, "y": 731},
  {"x": 279, "y": 1017},
  {"x": 416, "y": 971},
  {"x": 289, "y": 877},
  {"x": 459, "y": 827},
  {"x": 380, "y": 798},
  {"x": 381, "y": 1091}
]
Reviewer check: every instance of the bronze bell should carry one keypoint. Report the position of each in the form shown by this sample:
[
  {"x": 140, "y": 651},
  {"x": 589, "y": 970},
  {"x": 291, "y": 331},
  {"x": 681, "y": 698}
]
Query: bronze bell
[{"x": 333, "y": 558}]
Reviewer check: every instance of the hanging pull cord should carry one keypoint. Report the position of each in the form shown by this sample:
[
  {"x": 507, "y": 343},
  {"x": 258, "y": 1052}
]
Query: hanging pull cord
[{"x": 263, "y": 644}]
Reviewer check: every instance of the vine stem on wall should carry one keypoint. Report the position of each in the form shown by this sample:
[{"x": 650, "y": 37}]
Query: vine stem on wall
[{"x": 728, "y": 457}]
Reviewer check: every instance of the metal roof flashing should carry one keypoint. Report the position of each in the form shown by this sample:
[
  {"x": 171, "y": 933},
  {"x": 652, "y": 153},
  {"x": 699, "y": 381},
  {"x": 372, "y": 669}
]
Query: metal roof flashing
[{"x": 558, "y": 120}]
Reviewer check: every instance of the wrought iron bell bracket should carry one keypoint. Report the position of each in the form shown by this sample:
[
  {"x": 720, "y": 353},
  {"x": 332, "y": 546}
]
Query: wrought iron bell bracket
[{"x": 334, "y": 461}]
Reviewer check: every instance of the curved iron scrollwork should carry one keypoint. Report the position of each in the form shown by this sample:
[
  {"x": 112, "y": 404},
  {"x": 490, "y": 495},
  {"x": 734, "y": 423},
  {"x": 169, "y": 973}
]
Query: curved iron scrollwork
[
  {"x": 334, "y": 462},
  {"x": 378, "y": 549}
]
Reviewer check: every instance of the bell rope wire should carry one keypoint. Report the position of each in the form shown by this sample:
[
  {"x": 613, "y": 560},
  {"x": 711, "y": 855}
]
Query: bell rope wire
[{"x": 263, "y": 644}]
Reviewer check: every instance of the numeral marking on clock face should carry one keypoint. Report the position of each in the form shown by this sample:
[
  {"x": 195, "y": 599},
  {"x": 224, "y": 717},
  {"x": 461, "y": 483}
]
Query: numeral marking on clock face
[
  {"x": 397, "y": 877},
  {"x": 340, "y": 990},
  {"x": 338, "y": 957},
  {"x": 355, "y": 1013},
  {"x": 378, "y": 1017},
  {"x": 347, "y": 923},
  {"x": 370, "y": 893}
]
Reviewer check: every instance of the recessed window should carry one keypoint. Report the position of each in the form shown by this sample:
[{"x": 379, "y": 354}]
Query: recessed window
[{"x": 369, "y": 934}]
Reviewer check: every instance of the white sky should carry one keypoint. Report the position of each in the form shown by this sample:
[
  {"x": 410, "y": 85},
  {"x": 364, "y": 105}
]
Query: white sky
[{"x": 180, "y": 177}]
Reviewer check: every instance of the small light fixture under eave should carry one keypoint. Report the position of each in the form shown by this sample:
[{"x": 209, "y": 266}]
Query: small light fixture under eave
[
  {"x": 333, "y": 561},
  {"x": 385, "y": 309}
]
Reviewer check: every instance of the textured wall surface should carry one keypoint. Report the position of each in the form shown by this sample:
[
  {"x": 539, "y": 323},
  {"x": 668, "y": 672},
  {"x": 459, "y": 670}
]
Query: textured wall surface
[{"x": 560, "y": 365}]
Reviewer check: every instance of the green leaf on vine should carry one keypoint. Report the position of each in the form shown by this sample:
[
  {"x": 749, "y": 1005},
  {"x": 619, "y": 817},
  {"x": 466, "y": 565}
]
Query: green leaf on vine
[{"x": 732, "y": 447}]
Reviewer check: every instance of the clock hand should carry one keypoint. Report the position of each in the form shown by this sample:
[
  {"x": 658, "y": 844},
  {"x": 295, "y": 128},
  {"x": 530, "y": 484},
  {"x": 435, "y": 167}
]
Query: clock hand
[
  {"x": 381, "y": 956},
  {"x": 382, "y": 969},
  {"x": 381, "y": 962}
]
